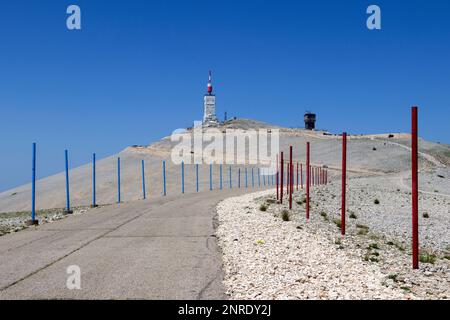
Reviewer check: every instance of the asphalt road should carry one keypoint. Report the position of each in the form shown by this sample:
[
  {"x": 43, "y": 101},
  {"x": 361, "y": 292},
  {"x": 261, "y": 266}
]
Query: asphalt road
[{"x": 161, "y": 248}]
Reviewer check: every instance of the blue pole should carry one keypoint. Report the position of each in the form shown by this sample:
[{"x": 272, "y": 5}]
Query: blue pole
[
  {"x": 118, "y": 180},
  {"x": 68, "y": 211},
  {"x": 231, "y": 185},
  {"x": 182, "y": 177},
  {"x": 220, "y": 177},
  {"x": 196, "y": 175},
  {"x": 33, "y": 186},
  {"x": 264, "y": 179},
  {"x": 246, "y": 178},
  {"x": 253, "y": 179},
  {"x": 239, "y": 177},
  {"x": 259, "y": 178},
  {"x": 143, "y": 180},
  {"x": 94, "y": 200},
  {"x": 164, "y": 178},
  {"x": 210, "y": 177}
]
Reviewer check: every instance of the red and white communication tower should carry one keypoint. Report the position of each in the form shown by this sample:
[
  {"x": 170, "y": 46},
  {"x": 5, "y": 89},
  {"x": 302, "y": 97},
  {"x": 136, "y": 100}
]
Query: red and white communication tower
[{"x": 209, "y": 105}]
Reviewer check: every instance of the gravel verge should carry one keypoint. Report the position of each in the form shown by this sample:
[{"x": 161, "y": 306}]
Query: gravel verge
[
  {"x": 16, "y": 221},
  {"x": 265, "y": 257}
]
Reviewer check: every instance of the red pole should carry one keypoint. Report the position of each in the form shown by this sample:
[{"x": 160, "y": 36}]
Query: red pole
[
  {"x": 415, "y": 189},
  {"x": 297, "y": 176},
  {"x": 277, "y": 174},
  {"x": 310, "y": 175},
  {"x": 288, "y": 186},
  {"x": 293, "y": 179},
  {"x": 308, "y": 172},
  {"x": 301, "y": 175},
  {"x": 287, "y": 177},
  {"x": 290, "y": 177},
  {"x": 281, "y": 177},
  {"x": 344, "y": 180},
  {"x": 310, "y": 182}
]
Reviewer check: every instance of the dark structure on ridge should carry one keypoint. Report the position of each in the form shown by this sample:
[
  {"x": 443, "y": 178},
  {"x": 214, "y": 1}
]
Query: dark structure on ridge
[{"x": 310, "y": 120}]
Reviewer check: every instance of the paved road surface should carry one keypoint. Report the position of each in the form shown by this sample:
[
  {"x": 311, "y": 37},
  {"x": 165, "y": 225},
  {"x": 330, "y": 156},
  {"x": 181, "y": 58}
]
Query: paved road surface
[{"x": 154, "y": 249}]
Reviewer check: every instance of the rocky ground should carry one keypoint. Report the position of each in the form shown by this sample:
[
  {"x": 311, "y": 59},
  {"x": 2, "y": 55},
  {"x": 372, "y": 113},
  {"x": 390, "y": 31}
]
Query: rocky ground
[
  {"x": 16, "y": 221},
  {"x": 266, "y": 257}
]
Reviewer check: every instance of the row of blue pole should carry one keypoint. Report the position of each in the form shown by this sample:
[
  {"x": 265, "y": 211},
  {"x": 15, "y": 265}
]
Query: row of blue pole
[
  {"x": 94, "y": 200},
  {"x": 269, "y": 182}
]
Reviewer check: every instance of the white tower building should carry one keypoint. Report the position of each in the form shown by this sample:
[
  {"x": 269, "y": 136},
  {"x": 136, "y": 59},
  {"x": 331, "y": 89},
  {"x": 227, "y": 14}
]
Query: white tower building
[{"x": 209, "y": 104}]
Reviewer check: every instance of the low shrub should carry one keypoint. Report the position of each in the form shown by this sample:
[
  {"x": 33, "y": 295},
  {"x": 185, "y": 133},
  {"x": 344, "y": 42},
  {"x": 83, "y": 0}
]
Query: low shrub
[
  {"x": 427, "y": 257},
  {"x": 338, "y": 223},
  {"x": 285, "y": 215}
]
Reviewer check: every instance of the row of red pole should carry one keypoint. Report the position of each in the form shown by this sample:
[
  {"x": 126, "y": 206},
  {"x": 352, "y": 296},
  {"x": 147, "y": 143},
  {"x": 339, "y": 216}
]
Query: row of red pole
[
  {"x": 285, "y": 171},
  {"x": 319, "y": 176}
]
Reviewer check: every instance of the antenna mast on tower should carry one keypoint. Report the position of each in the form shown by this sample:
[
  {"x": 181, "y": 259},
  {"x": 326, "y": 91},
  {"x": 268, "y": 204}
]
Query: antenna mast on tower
[{"x": 210, "y": 88}]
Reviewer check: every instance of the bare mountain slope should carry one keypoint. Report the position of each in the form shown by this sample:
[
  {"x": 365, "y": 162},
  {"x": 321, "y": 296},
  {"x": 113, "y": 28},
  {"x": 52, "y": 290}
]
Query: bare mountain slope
[{"x": 367, "y": 154}]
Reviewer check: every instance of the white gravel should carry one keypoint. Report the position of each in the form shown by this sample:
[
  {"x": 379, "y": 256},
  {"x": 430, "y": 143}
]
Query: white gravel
[
  {"x": 265, "y": 257},
  {"x": 392, "y": 216}
]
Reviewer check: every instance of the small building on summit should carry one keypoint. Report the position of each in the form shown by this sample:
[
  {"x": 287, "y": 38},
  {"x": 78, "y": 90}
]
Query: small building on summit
[
  {"x": 310, "y": 120},
  {"x": 209, "y": 105}
]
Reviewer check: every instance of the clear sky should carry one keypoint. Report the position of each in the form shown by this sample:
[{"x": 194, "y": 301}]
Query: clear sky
[{"x": 138, "y": 69}]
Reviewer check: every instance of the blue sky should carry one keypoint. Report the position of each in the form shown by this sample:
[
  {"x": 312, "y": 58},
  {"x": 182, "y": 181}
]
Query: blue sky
[{"x": 138, "y": 69}]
